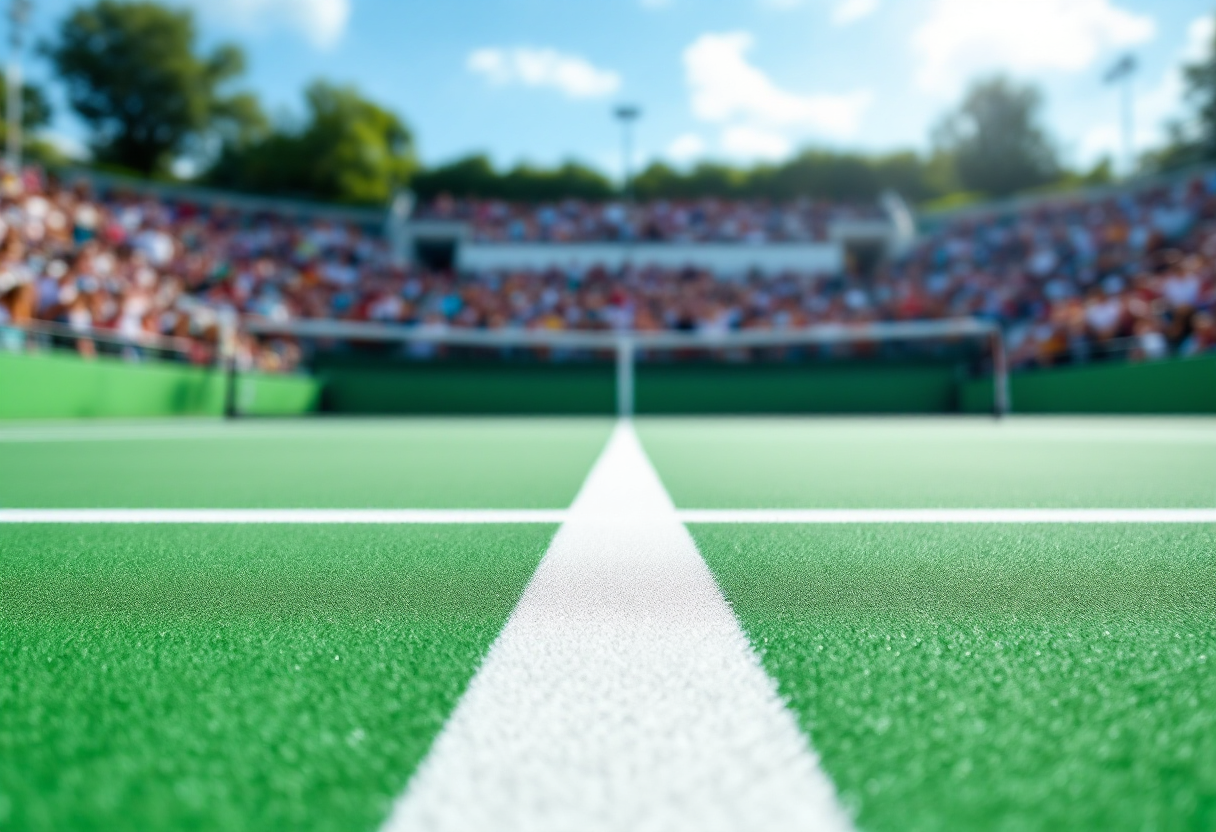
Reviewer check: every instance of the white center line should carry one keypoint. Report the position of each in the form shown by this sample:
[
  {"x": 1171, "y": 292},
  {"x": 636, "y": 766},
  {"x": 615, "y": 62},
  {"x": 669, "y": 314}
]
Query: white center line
[{"x": 622, "y": 693}]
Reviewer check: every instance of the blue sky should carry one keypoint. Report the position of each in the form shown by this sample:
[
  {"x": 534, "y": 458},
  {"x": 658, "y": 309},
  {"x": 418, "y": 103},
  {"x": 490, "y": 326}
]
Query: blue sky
[{"x": 727, "y": 79}]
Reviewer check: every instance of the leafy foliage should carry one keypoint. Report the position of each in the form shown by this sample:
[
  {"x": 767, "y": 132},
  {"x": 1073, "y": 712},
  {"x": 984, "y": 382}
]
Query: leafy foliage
[
  {"x": 133, "y": 75},
  {"x": 815, "y": 173},
  {"x": 348, "y": 149},
  {"x": 996, "y": 140},
  {"x": 475, "y": 176},
  {"x": 1193, "y": 138}
]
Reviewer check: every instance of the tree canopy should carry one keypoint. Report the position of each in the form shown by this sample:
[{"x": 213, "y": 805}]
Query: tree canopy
[
  {"x": 996, "y": 140},
  {"x": 1193, "y": 137},
  {"x": 815, "y": 173},
  {"x": 133, "y": 74},
  {"x": 476, "y": 176},
  {"x": 347, "y": 149}
]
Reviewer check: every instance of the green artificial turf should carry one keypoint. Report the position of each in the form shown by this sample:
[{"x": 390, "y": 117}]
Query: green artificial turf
[
  {"x": 1004, "y": 677},
  {"x": 935, "y": 463},
  {"x": 237, "y": 677},
  {"x": 472, "y": 463}
]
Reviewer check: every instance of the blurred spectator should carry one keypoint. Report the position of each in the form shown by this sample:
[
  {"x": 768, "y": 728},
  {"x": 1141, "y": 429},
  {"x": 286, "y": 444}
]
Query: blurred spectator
[
  {"x": 1129, "y": 275},
  {"x": 699, "y": 220}
]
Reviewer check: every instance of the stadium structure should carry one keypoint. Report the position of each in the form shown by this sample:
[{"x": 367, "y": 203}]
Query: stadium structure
[{"x": 668, "y": 598}]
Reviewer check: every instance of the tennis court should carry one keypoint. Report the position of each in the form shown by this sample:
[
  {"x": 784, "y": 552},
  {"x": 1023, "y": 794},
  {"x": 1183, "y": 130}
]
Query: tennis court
[{"x": 874, "y": 624}]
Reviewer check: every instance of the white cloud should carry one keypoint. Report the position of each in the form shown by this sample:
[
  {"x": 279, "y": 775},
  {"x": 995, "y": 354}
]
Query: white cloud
[
  {"x": 321, "y": 22},
  {"x": 686, "y": 148},
  {"x": 573, "y": 76},
  {"x": 726, "y": 88},
  {"x": 963, "y": 37},
  {"x": 1199, "y": 38},
  {"x": 851, "y": 11},
  {"x": 755, "y": 143}
]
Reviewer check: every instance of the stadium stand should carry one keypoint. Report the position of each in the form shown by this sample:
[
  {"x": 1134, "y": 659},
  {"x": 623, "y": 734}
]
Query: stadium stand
[
  {"x": 702, "y": 220},
  {"x": 1131, "y": 273}
]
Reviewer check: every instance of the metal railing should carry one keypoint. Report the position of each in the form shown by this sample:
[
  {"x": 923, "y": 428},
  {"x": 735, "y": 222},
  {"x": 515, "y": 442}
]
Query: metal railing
[{"x": 45, "y": 333}]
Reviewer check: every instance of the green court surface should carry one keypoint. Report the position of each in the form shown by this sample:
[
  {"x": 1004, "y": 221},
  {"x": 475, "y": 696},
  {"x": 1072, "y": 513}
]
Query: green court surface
[
  {"x": 935, "y": 463},
  {"x": 237, "y": 677},
  {"x": 992, "y": 677},
  {"x": 487, "y": 463}
]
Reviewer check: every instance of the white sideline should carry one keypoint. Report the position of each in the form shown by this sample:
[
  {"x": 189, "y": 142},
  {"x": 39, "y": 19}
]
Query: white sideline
[
  {"x": 952, "y": 515},
  {"x": 279, "y": 515},
  {"x": 622, "y": 693},
  {"x": 523, "y": 515}
]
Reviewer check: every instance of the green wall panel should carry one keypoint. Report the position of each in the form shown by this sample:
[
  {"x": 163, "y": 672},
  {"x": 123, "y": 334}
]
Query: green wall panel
[
  {"x": 1183, "y": 385},
  {"x": 66, "y": 386},
  {"x": 469, "y": 388},
  {"x": 58, "y": 386},
  {"x": 455, "y": 387},
  {"x": 794, "y": 388}
]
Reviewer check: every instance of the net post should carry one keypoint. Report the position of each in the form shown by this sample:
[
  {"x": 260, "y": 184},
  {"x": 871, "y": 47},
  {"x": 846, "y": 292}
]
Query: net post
[
  {"x": 624, "y": 377},
  {"x": 229, "y": 334},
  {"x": 1000, "y": 374}
]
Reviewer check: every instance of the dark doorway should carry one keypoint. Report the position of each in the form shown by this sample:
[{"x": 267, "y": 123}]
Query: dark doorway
[
  {"x": 435, "y": 253},
  {"x": 863, "y": 256}
]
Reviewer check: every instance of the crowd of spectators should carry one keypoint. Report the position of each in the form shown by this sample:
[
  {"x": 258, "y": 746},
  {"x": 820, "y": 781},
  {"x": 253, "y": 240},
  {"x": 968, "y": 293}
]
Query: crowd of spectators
[
  {"x": 1131, "y": 274},
  {"x": 155, "y": 275},
  {"x": 670, "y": 221}
]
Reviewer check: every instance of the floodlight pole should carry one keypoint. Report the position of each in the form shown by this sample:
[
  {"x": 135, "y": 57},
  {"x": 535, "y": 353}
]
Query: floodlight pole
[
  {"x": 627, "y": 114},
  {"x": 18, "y": 14},
  {"x": 1125, "y": 70}
]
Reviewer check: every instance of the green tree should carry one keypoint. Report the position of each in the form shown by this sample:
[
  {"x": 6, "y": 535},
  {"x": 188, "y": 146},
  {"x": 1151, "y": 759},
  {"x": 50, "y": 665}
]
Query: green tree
[
  {"x": 705, "y": 179},
  {"x": 347, "y": 149},
  {"x": 472, "y": 176},
  {"x": 476, "y": 176},
  {"x": 133, "y": 74},
  {"x": 996, "y": 140},
  {"x": 1193, "y": 137},
  {"x": 814, "y": 173}
]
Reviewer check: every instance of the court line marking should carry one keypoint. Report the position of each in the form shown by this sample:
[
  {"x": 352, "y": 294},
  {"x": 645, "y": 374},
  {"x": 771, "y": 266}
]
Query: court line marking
[
  {"x": 356, "y": 428},
  {"x": 518, "y": 515},
  {"x": 279, "y": 515},
  {"x": 622, "y": 694},
  {"x": 952, "y": 515}
]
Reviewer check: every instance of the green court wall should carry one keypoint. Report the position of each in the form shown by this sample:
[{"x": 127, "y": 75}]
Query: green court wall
[
  {"x": 793, "y": 388},
  {"x": 472, "y": 388},
  {"x": 1181, "y": 385},
  {"x": 57, "y": 386},
  {"x": 589, "y": 388},
  {"x": 36, "y": 386}
]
